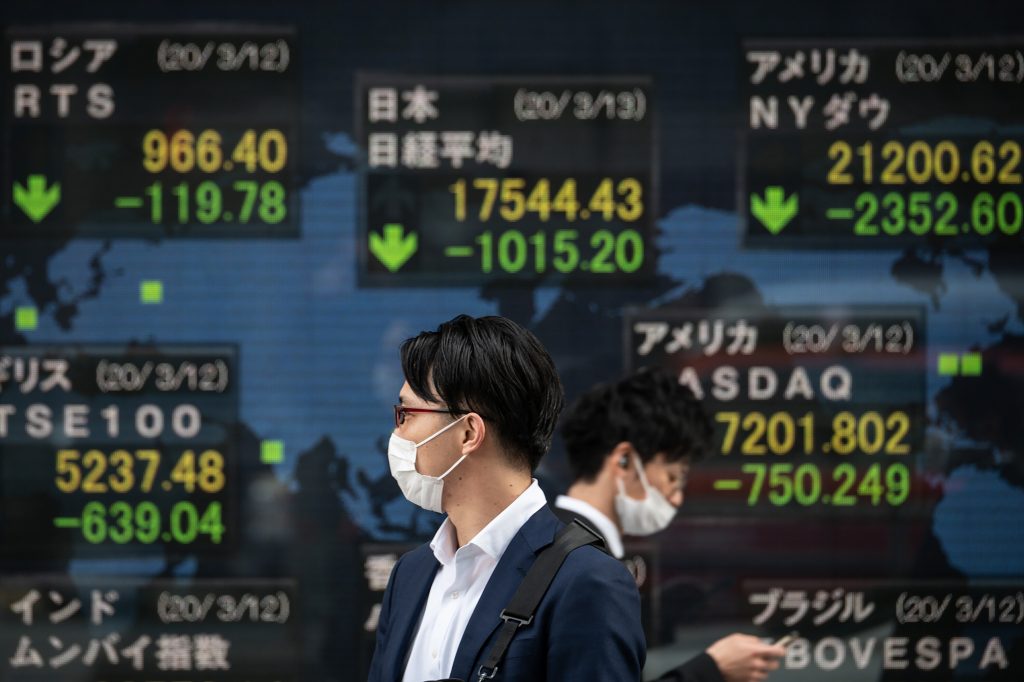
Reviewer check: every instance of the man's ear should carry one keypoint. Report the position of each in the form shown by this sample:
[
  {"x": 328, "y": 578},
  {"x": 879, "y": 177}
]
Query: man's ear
[
  {"x": 619, "y": 462},
  {"x": 473, "y": 431}
]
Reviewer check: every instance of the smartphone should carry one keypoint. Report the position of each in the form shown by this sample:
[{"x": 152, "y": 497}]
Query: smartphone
[{"x": 786, "y": 640}]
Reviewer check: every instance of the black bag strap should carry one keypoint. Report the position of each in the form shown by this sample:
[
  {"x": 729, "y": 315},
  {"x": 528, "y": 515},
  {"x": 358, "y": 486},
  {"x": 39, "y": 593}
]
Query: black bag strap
[{"x": 521, "y": 608}]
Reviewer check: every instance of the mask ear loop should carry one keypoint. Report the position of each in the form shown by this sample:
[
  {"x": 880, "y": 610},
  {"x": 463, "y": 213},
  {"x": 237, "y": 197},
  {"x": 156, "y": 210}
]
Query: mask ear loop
[
  {"x": 435, "y": 435},
  {"x": 430, "y": 438},
  {"x": 452, "y": 468},
  {"x": 643, "y": 477}
]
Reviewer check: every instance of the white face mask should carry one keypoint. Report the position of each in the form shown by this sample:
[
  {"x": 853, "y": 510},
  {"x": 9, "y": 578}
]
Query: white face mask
[
  {"x": 646, "y": 516},
  {"x": 422, "y": 490}
]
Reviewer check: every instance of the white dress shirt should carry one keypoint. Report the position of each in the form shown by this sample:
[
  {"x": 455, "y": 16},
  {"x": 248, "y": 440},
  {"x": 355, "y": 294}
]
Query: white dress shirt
[
  {"x": 459, "y": 583},
  {"x": 601, "y": 523}
]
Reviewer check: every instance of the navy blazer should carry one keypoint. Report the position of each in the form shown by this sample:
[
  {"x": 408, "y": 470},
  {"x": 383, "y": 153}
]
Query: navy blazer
[
  {"x": 586, "y": 629},
  {"x": 700, "y": 668}
]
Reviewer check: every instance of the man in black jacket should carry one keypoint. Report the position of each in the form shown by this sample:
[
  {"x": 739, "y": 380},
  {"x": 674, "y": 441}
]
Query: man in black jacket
[
  {"x": 474, "y": 418},
  {"x": 630, "y": 446}
]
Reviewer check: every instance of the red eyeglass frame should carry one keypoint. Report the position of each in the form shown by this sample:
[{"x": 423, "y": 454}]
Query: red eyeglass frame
[{"x": 401, "y": 410}]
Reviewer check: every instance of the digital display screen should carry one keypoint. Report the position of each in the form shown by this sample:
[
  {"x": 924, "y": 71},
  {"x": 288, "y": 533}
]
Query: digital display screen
[
  {"x": 473, "y": 180},
  {"x": 881, "y": 144},
  {"x": 134, "y": 131},
  {"x": 221, "y": 220},
  {"x": 813, "y": 408},
  {"x": 129, "y": 448}
]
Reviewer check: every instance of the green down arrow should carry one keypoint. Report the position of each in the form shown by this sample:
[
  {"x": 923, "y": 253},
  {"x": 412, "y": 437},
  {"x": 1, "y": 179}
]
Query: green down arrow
[
  {"x": 37, "y": 201},
  {"x": 774, "y": 211},
  {"x": 395, "y": 247}
]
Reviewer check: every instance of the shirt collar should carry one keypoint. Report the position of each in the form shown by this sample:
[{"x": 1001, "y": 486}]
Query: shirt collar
[
  {"x": 495, "y": 537},
  {"x": 603, "y": 524}
]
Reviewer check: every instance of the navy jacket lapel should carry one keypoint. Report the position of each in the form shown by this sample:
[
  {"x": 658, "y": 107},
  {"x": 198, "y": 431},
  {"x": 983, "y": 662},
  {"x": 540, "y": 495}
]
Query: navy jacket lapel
[
  {"x": 536, "y": 534},
  {"x": 417, "y": 576}
]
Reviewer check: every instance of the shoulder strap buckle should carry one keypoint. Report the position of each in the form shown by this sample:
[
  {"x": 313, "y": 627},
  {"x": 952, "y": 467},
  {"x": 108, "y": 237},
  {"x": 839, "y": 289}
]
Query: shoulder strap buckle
[
  {"x": 518, "y": 620},
  {"x": 484, "y": 674}
]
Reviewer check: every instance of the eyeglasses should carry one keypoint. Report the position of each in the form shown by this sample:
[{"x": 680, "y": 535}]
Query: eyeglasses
[{"x": 402, "y": 410}]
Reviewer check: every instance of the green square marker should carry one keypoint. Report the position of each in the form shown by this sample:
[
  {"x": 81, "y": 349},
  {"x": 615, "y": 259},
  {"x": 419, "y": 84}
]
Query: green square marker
[
  {"x": 151, "y": 291},
  {"x": 970, "y": 364},
  {"x": 949, "y": 364},
  {"x": 26, "y": 318},
  {"x": 272, "y": 451}
]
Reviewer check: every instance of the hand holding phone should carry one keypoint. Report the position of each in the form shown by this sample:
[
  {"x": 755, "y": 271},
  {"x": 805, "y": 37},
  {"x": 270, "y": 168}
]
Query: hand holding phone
[{"x": 787, "y": 639}]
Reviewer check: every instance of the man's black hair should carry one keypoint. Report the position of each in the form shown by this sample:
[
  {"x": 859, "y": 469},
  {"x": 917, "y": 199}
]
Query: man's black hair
[
  {"x": 649, "y": 409},
  {"x": 494, "y": 367}
]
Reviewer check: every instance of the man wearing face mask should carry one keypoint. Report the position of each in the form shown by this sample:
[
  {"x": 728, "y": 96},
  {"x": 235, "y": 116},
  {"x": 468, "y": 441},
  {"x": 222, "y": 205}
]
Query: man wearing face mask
[
  {"x": 630, "y": 446},
  {"x": 475, "y": 415}
]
